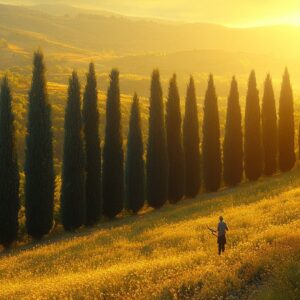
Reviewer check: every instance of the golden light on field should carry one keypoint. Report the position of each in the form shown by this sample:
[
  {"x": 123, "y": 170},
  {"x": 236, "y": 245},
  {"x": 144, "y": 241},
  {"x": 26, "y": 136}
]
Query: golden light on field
[
  {"x": 141, "y": 181},
  {"x": 157, "y": 254}
]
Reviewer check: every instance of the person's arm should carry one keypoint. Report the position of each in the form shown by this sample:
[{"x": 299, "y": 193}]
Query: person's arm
[{"x": 226, "y": 228}]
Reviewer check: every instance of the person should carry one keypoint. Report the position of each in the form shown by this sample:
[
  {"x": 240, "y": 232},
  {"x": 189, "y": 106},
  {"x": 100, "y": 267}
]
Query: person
[{"x": 221, "y": 230}]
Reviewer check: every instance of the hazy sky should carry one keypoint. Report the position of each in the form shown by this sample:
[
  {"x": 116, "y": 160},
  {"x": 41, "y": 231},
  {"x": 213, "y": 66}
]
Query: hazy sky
[{"x": 228, "y": 12}]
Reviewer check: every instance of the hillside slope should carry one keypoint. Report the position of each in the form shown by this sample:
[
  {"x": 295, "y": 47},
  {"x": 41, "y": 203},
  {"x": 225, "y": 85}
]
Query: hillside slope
[
  {"x": 121, "y": 34},
  {"x": 170, "y": 254},
  {"x": 137, "y": 45}
]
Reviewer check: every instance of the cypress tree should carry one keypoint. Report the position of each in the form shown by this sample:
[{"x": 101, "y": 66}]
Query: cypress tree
[
  {"x": 93, "y": 151},
  {"x": 174, "y": 144},
  {"x": 191, "y": 141},
  {"x": 269, "y": 128},
  {"x": 286, "y": 125},
  {"x": 233, "y": 139},
  {"x": 9, "y": 171},
  {"x": 113, "y": 157},
  {"x": 157, "y": 153},
  {"x": 39, "y": 172},
  {"x": 252, "y": 147},
  {"x": 73, "y": 172},
  {"x": 135, "y": 178},
  {"x": 211, "y": 149}
]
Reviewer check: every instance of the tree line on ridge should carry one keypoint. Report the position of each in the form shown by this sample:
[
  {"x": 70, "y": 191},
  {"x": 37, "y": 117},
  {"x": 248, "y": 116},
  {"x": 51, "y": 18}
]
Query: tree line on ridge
[{"x": 173, "y": 165}]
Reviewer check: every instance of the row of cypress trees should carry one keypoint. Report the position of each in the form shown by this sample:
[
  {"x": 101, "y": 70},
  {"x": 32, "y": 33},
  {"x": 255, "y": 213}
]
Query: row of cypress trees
[
  {"x": 172, "y": 167},
  {"x": 267, "y": 143}
]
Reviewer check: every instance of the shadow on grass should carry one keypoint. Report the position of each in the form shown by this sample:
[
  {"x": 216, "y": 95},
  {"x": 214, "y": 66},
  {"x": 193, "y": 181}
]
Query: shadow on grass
[{"x": 203, "y": 205}]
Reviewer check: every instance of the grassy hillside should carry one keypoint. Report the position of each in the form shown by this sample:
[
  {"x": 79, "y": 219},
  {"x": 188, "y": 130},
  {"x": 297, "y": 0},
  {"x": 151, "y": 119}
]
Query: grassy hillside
[{"x": 169, "y": 254}]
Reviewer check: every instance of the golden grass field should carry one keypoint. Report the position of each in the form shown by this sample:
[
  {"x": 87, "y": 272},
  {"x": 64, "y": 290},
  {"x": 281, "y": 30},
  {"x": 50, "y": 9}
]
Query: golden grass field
[{"x": 169, "y": 253}]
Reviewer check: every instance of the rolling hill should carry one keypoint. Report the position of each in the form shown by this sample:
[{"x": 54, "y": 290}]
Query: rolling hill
[
  {"x": 112, "y": 32},
  {"x": 71, "y": 37},
  {"x": 170, "y": 254}
]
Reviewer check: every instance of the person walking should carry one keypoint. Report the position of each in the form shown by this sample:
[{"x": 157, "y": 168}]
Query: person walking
[
  {"x": 220, "y": 233},
  {"x": 221, "y": 230}
]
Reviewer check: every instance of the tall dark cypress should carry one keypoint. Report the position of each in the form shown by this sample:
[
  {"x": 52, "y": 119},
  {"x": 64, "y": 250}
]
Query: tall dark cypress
[
  {"x": 233, "y": 139},
  {"x": 211, "y": 149},
  {"x": 39, "y": 172},
  {"x": 135, "y": 168},
  {"x": 286, "y": 130},
  {"x": 73, "y": 172},
  {"x": 174, "y": 143},
  {"x": 113, "y": 157},
  {"x": 269, "y": 128},
  {"x": 191, "y": 141},
  {"x": 157, "y": 154},
  {"x": 93, "y": 151},
  {"x": 252, "y": 143},
  {"x": 9, "y": 171}
]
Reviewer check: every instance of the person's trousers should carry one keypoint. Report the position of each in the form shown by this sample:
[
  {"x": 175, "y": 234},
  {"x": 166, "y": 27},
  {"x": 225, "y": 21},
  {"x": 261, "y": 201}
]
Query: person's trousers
[{"x": 221, "y": 243}]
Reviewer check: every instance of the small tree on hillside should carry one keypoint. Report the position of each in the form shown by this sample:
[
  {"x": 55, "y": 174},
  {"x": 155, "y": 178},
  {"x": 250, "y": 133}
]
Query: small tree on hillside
[
  {"x": 39, "y": 172},
  {"x": 174, "y": 143},
  {"x": 269, "y": 128},
  {"x": 191, "y": 141},
  {"x": 252, "y": 146},
  {"x": 211, "y": 150},
  {"x": 286, "y": 130},
  {"x": 73, "y": 173},
  {"x": 233, "y": 140},
  {"x": 93, "y": 151},
  {"x": 135, "y": 172},
  {"x": 113, "y": 157},
  {"x": 9, "y": 171},
  {"x": 157, "y": 154}
]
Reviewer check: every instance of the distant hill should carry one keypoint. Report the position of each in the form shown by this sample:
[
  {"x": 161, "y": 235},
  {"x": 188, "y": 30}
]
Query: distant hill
[
  {"x": 65, "y": 9},
  {"x": 71, "y": 37},
  {"x": 110, "y": 32}
]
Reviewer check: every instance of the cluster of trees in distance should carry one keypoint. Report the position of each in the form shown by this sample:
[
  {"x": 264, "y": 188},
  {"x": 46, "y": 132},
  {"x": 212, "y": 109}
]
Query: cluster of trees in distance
[{"x": 102, "y": 182}]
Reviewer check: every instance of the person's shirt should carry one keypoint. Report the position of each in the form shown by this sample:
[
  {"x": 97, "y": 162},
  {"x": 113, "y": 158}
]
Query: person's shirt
[{"x": 222, "y": 228}]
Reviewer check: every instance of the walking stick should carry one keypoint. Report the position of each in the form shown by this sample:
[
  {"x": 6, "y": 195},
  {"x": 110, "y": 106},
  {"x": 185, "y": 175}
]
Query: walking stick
[{"x": 213, "y": 232}]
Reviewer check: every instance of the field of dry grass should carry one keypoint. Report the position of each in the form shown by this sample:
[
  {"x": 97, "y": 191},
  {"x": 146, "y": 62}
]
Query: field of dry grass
[{"x": 170, "y": 254}]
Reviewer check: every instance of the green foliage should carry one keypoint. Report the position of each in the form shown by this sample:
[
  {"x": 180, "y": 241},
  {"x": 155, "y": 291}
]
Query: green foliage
[
  {"x": 93, "y": 151},
  {"x": 211, "y": 149},
  {"x": 174, "y": 144},
  {"x": 252, "y": 142},
  {"x": 233, "y": 139},
  {"x": 286, "y": 130},
  {"x": 113, "y": 157},
  {"x": 157, "y": 154},
  {"x": 191, "y": 141},
  {"x": 135, "y": 172},
  {"x": 9, "y": 171},
  {"x": 269, "y": 128},
  {"x": 73, "y": 172},
  {"x": 39, "y": 185}
]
